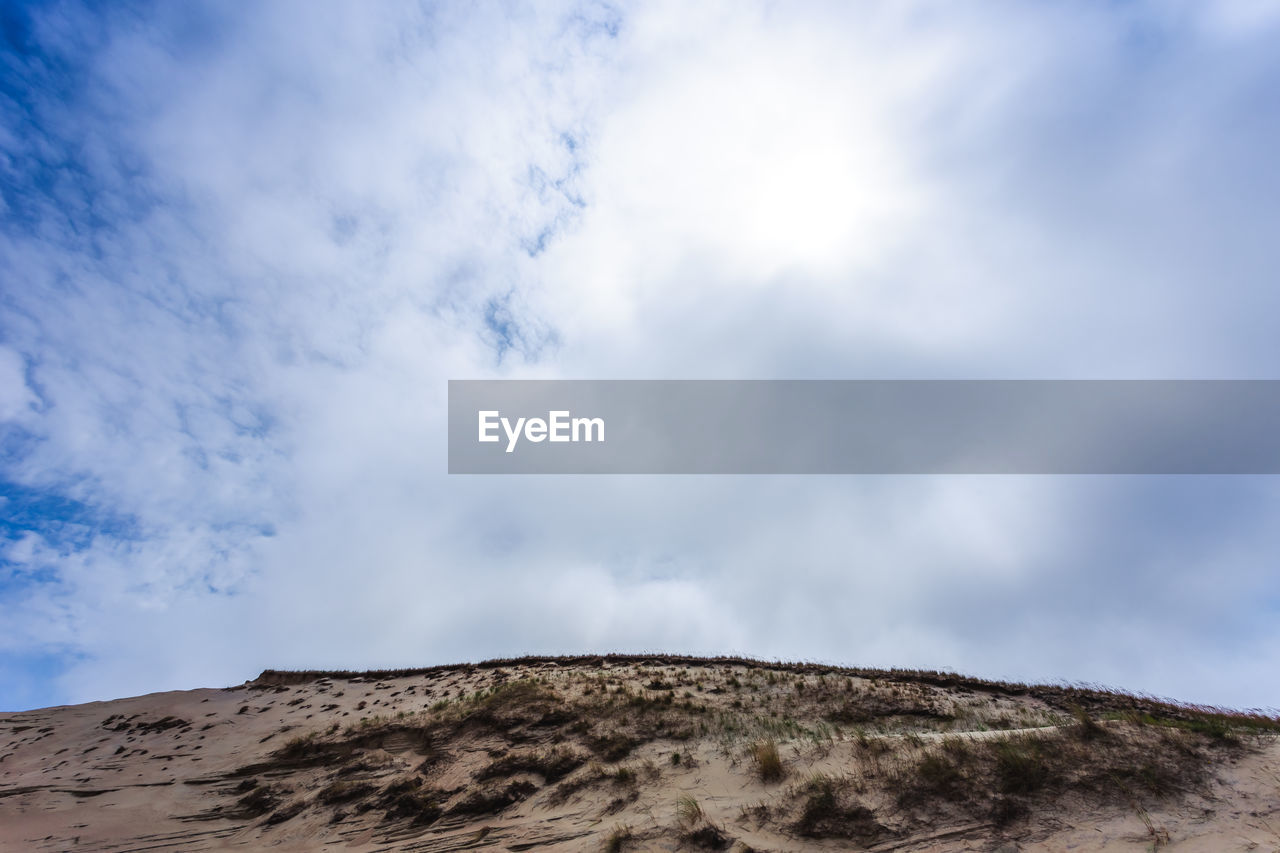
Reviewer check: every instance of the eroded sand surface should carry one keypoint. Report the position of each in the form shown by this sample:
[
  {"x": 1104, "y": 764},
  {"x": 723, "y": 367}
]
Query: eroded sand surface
[{"x": 634, "y": 754}]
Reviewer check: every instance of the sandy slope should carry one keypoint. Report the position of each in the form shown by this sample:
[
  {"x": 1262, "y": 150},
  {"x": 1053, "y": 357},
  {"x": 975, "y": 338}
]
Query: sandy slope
[{"x": 652, "y": 754}]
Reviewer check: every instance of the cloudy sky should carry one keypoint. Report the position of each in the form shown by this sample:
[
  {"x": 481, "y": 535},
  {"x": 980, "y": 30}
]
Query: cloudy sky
[{"x": 244, "y": 247}]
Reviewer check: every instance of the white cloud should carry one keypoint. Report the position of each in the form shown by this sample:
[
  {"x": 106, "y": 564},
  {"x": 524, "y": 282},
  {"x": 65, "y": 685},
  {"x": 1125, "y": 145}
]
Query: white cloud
[
  {"x": 16, "y": 398},
  {"x": 309, "y": 212}
]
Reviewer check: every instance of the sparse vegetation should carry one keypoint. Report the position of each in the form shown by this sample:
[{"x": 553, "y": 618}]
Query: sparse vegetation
[
  {"x": 617, "y": 839},
  {"x": 768, "y": 763},
  {"x": 613, "y": 746},
  {"x": 344, "y": 792},
  {"x": 551, "y": 764},
  {"x": 688, "y": 812},
  {"x": 1087, "y": 728},
  {"x": 827, "y": 811},
  {"x": 487, "y": 801},
  {"x": 900, "y": 752}
]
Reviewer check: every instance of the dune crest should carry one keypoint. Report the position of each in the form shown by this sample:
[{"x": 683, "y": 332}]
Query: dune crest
[{"x": 638, "y": 753}]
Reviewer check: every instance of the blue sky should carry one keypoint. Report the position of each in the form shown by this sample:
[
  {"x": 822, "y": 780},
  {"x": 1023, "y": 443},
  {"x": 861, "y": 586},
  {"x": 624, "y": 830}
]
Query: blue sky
[{"x": 244, "y": 248}]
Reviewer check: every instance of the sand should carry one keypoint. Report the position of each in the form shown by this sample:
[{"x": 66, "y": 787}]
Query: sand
[{"x": 627, "y": 754}]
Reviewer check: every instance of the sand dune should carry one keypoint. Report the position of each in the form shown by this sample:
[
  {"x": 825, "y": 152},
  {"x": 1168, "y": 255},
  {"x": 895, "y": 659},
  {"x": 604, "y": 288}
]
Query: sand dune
[{"x": 637, "y": 753}]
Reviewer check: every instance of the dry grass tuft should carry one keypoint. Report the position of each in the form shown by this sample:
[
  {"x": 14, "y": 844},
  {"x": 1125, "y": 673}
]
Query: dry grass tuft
[
  {"x": 617, "y": 839},
  {"x": 768, "y": 763},
  {"x": 688, "y": 812}
]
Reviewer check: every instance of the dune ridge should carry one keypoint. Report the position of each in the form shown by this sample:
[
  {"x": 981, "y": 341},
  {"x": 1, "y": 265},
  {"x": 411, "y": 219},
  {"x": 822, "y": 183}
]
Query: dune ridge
[{"x": 638, "y": 752}]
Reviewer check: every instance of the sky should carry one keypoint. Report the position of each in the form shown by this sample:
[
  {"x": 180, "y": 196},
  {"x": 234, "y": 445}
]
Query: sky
[{"x": 243, "y": 248}]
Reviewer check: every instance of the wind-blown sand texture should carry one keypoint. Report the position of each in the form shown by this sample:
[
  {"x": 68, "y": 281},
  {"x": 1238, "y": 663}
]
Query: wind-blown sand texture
[{"x": 637, "y": 753}]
